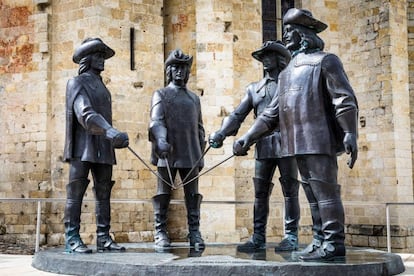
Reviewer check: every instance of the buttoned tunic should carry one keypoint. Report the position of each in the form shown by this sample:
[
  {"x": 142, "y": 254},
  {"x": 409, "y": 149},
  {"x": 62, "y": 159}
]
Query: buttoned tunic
[
  {"x": 313, "y": 92},
  {"x": 178, "y": 110}
]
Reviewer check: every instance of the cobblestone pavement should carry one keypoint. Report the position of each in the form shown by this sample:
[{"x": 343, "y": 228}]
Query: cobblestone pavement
[{"x": 16, "y": 249}]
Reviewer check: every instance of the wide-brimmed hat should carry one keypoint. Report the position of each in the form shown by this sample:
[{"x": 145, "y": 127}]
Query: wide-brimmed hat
[
  {"x": 305, "y": 18},
  {"x": 275, "y": 46},
  {"x": 89, "y": 46},
  {"x": 177, "y": 56}
]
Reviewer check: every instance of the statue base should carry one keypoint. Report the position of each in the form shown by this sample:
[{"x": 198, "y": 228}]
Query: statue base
[{"x": 216, "y": 259}]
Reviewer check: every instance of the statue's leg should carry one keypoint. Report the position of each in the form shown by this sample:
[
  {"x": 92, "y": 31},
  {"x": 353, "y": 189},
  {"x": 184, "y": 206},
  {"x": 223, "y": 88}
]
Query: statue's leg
[
  {"x": 161, "y": 203},
  {"x": 263, "y": 189},
  {"x": 102, "y": 175},
  {"x": 316, "y": 221},
  {"x": 332, "y": 215},
  {"x": 290, "y": 189},
  {"x": 104, "y": 241},
  {"x": 193, "y": 202},
  {"x": 328, "y": 195},
  {"x": 75, "y": 191}
]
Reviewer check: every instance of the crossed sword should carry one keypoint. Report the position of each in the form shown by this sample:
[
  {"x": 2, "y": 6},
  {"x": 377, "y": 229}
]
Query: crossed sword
[{"x": 183, "y": 181}]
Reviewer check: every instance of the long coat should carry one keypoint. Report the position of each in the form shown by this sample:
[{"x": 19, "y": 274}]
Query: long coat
[
  {"x": 178, "y": 111},
  {"x": 88, "y": 115},
  {"x": 314, "y": 92}
]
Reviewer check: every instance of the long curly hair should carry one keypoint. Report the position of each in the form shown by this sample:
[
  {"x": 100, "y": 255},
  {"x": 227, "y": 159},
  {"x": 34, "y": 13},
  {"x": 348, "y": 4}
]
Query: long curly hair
[
  {"x": 84, "y": 64},
  {"x": 310, "y": 40}
]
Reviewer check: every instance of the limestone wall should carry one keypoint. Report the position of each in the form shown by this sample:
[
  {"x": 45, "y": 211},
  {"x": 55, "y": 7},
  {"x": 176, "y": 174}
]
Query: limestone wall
[{"x": 37, "y": 39}]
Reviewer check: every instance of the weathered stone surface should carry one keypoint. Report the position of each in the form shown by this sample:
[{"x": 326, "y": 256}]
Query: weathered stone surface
[
  {"x": 217, "y": 259},
  {"x": 374, "y": 40}
]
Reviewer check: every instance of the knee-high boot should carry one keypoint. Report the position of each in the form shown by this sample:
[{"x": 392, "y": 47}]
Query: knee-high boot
[
  {"x": 290, "y": 189},
  {"x": 316, "y": 220},
  {"x": 75, "y": 191},
  {"x": 193, "y": 202},
  {"x": 161, "y": 203},
  {"x": 103, "y": 217},
  {"x": 332, "y": 215},
  {"x": 263, "y": 190}
]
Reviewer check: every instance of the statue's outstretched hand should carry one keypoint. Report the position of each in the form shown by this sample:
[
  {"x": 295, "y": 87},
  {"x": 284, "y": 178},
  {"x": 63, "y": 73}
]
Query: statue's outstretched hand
[
  {"x": 162, "y": 148},
  {"x": 119, "y": 139},
  {"x": 350, "y": 143},
  {"x": 241, "y": 146},
  {"x": 216, "y": 140}
]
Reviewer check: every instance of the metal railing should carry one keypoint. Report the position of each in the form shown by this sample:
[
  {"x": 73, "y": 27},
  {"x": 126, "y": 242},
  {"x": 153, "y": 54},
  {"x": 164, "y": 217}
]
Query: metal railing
[
  {"x": 137, "y": 201},
  {"x": 387, "y": 216},
  {"x": 127, "y": 201}
]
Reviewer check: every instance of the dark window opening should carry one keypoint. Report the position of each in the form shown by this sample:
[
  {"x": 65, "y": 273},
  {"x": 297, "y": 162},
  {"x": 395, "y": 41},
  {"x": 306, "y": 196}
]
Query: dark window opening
[{"x": 272, "y": 15}]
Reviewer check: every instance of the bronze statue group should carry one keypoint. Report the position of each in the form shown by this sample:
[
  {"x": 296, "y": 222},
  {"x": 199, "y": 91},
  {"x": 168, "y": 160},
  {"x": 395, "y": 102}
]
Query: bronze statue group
[{"x": 305, "y": 116}]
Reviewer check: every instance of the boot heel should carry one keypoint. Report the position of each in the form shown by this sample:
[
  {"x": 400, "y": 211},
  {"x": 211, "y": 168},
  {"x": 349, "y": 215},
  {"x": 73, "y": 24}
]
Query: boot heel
[{"x": 105, "y": 243}]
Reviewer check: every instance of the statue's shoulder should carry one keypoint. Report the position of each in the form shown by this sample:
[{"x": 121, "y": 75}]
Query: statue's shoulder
[
  {"x": 258, "y": 85},
  {"x": 74, "y": 86},
  {"x": 161, "y": 91},
  {"x": 76, "y": 82},
  {"x": 158, "y": 96},
  {"x": 193, "y": 95},
  {"x": 331, "y": 59},
  {"x": 80, "y": 80}
]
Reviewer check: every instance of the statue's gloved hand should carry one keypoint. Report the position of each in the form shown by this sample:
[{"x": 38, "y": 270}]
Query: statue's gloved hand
[
  {"x": 216, "y": 139},
  {"x": 162, "y": 148},
  {"x": 350, "y": 143},
  {"x": 241, "y": 146},
  {"x": 119, "y": 139}
]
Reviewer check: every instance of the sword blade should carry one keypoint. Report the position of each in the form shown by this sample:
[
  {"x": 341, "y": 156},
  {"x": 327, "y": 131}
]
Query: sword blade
[
  {"x": 169, "y": 172},
  {"x": 148, "y": 167},
  {"x": 203, "y": 173},
  {"x": 195, "y": 166}
]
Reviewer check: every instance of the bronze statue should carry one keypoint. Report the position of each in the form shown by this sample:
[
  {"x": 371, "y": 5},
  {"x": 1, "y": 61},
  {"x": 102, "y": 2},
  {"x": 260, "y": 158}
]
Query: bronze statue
[
  {"x": 274, "y": 57},
  {"x": 178, "y": 141},
  {"x": 316, "y": 111},
  {"x": 89, "y": 146}
]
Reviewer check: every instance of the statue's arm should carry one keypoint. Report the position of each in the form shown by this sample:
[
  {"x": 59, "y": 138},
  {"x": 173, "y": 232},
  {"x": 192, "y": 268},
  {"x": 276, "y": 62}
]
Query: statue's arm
[
  {"x": 237, "y": 117},
  {"x": 157, "y": 128},
  {"x": 344, "y": 102},
  {"x": 338, "y": 86},
  {"x": 231, "y": 124},
  {"x": 93, "y": 122},
  {"x": 201, "y": 131},
  {"x": 265, "y": 124},
  {"x": 157, "y": 131}
]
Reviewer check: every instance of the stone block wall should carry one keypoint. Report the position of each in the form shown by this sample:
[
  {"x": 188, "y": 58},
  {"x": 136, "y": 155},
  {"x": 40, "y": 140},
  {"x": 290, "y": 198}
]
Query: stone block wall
[
  {"x": 131, "y": 94},
  {"x": 24, "y": 152},
  {"x": 373, "y": 40}
]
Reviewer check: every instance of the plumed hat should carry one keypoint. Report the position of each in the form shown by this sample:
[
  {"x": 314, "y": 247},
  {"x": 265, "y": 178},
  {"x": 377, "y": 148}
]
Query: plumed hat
[
  {"x": 177, "y": 56},
  {"x": 275, "y": 46},
  {"x": 90, "y": 46},
  {"x": 303, "y": 17}
]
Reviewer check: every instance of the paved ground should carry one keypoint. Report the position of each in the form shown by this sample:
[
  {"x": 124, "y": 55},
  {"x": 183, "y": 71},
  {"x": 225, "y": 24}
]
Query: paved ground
[
  {"x": 20, "y": 265},
  {"x": 408, "y": 260}
]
